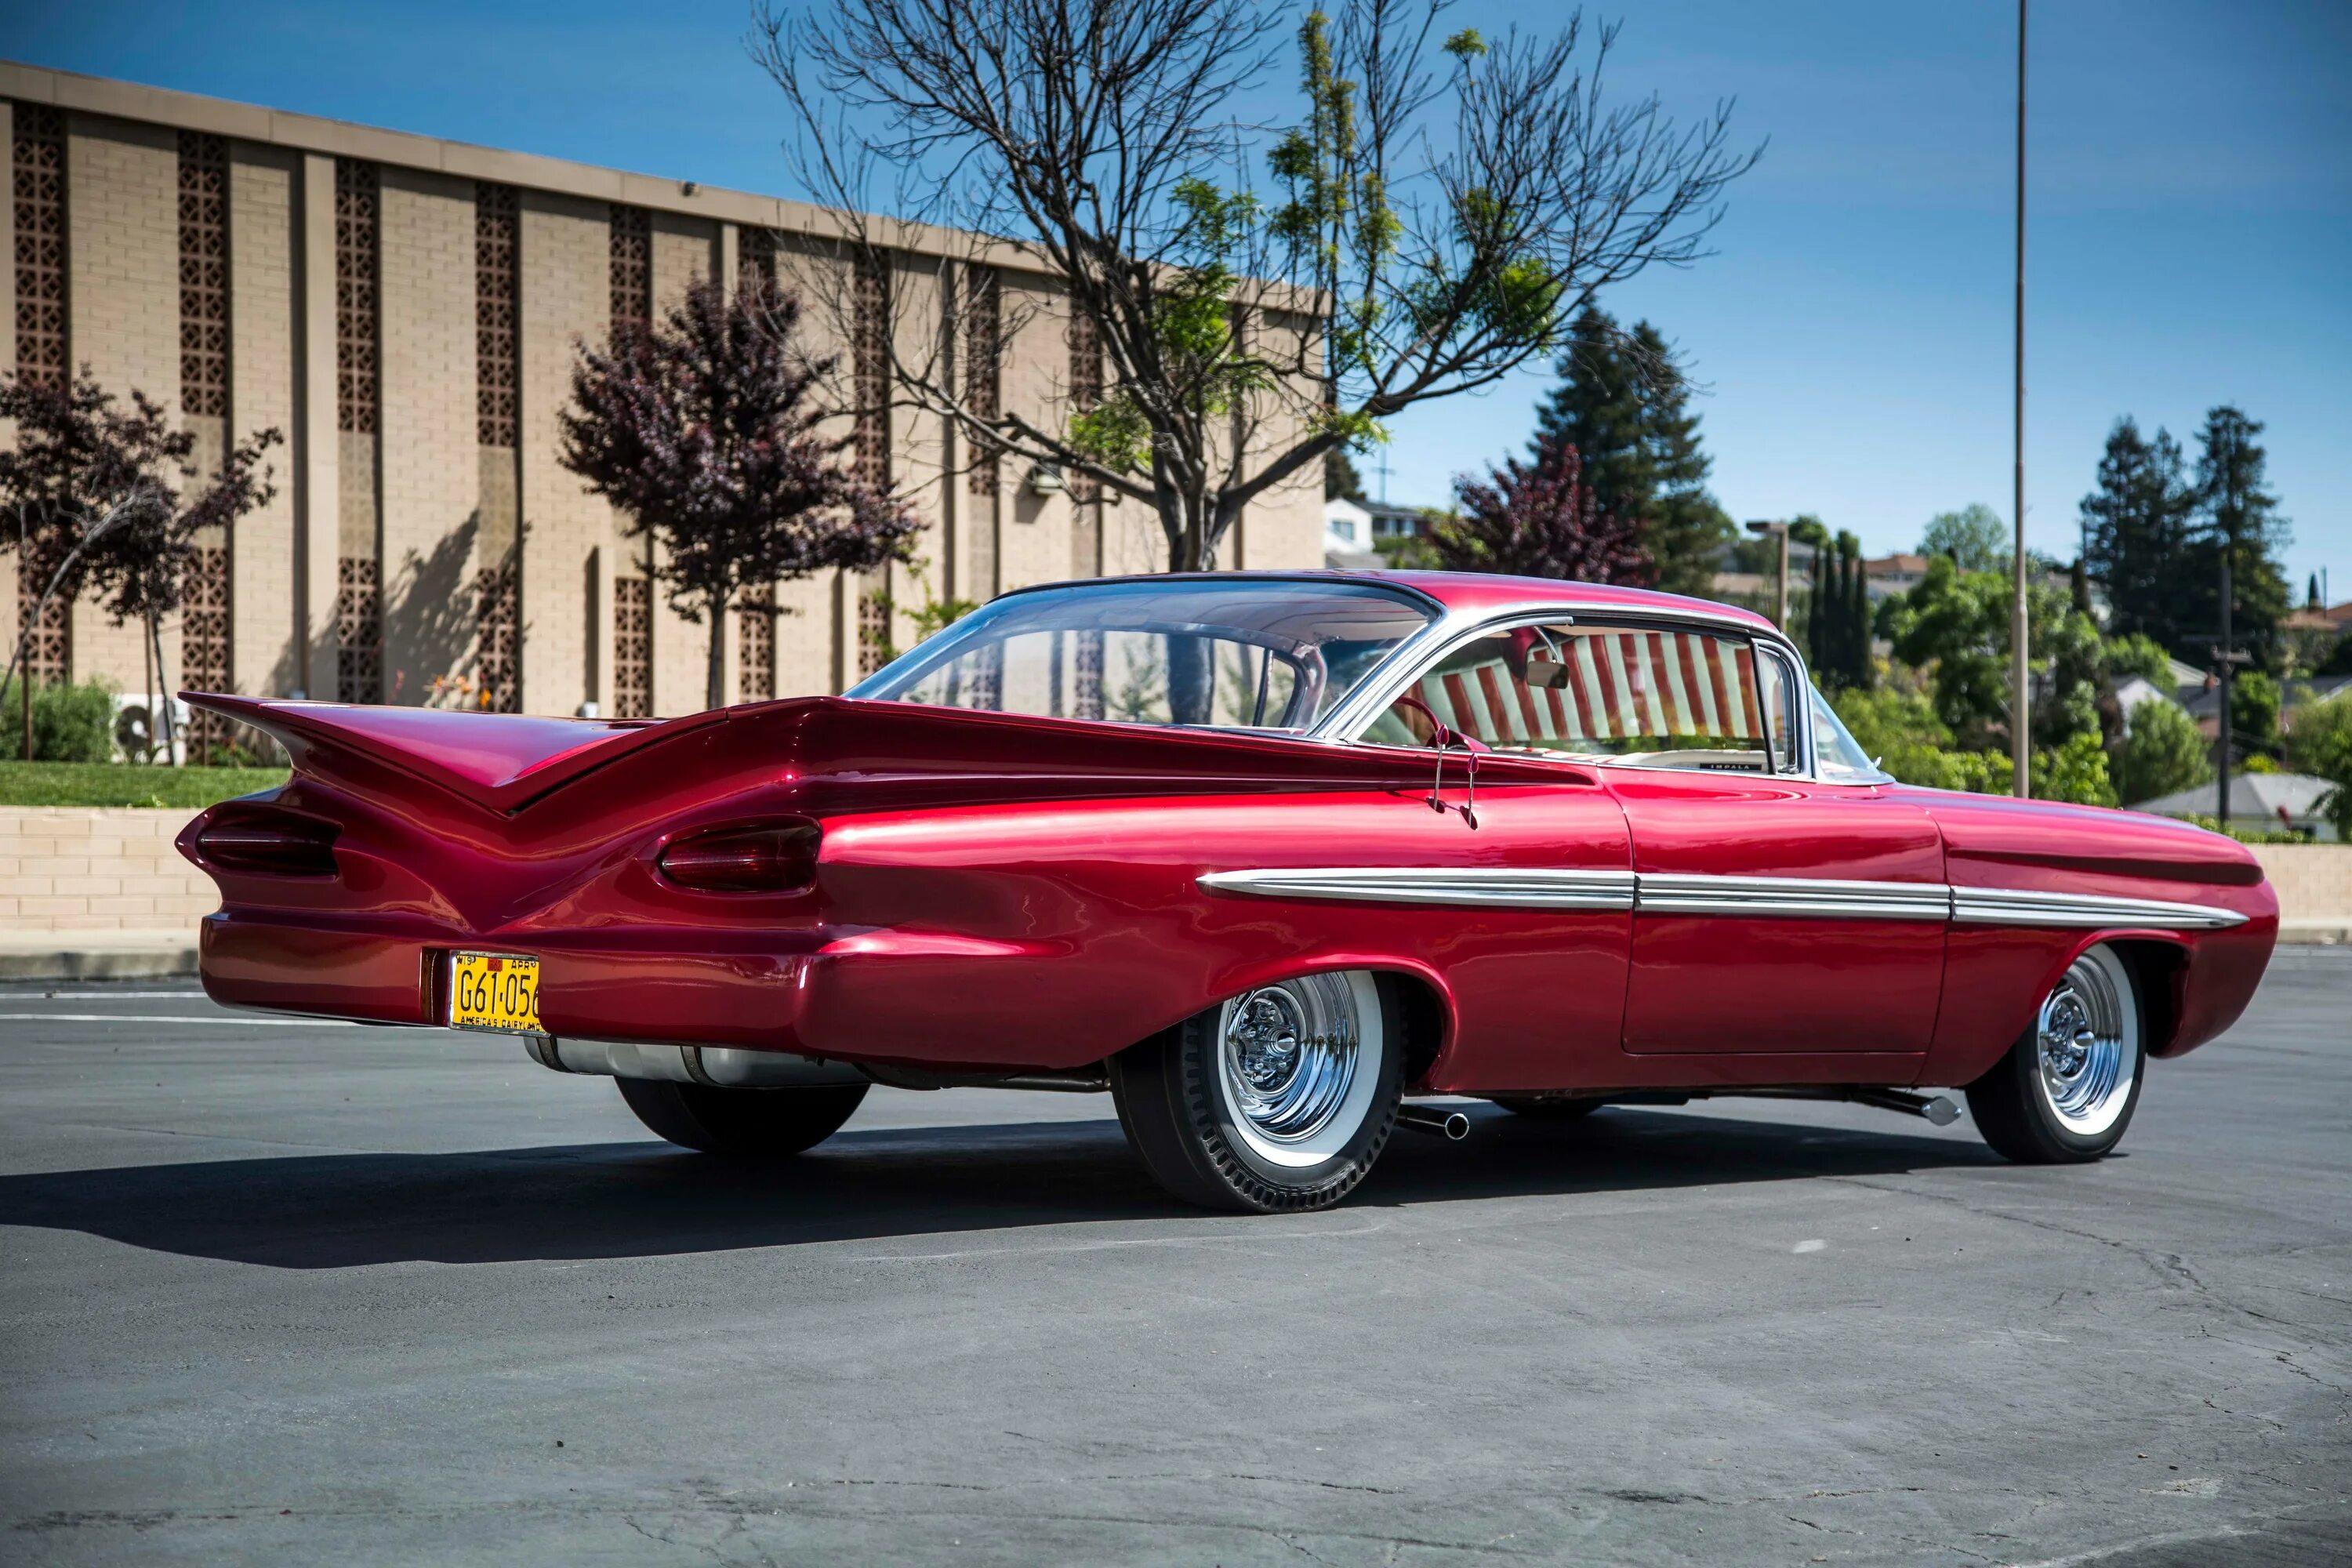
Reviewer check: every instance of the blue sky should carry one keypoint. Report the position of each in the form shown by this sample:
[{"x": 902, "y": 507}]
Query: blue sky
[{"x": 2189, "y": 237}]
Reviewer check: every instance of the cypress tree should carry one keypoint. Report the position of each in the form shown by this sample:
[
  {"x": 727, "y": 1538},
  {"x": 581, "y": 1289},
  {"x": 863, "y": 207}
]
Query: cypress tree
[{"x": 1624, "y": 403}]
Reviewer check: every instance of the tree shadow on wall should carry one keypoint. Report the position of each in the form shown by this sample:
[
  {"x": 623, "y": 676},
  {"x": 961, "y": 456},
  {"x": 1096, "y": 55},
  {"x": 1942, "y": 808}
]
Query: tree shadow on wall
[{"x": 431, "y": 619}]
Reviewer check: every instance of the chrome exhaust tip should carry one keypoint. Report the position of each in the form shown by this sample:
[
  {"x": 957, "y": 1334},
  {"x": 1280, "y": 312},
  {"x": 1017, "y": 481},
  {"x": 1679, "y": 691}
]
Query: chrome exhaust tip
[{"x": 1446, "y": 1123}]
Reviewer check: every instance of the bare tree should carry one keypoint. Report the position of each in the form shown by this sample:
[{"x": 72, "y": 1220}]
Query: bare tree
[
  {"x": 1436, "y": 214},
  {"x": 700, "y": 430}
]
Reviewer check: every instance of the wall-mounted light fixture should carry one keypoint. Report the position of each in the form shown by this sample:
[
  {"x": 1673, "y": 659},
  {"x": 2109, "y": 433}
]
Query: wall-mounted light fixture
[{"x": 1045, "y": 480}]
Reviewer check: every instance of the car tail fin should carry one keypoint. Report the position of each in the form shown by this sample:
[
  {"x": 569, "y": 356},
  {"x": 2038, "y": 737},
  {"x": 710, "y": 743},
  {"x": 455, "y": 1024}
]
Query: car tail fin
[{"x": 501, "y": 761}]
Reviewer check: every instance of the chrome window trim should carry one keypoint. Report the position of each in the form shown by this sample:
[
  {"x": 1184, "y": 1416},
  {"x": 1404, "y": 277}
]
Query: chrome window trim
[
  {"x": 1413, "y": 658},
  {"x": 1754, "y": 897}
]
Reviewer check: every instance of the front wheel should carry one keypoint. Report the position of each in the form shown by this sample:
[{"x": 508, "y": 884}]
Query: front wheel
[
  {"x": 2066, "y": 1090},
  {"x": 741, "y": 1124},
  {"x": 1279, "y": 1099}
]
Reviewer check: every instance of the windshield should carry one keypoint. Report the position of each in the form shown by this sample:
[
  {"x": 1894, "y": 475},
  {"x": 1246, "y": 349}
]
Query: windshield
[
  {"x": 1838, "y": 757},
  {"x": 1237, "y": 654}
]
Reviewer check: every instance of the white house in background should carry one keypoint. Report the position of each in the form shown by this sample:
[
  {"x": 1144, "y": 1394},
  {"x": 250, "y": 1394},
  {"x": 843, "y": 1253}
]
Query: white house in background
[
  {"x": 1347, "y": 535},
  {"x": 2257, "y": 801},
  {"x": 2139, "y": 689}
]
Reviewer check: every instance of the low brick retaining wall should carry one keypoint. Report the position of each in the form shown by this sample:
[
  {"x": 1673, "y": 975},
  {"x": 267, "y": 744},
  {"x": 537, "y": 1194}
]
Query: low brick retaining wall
[
  {"x": 82, "y": 881},
  {"x": 108, "y": 870}
]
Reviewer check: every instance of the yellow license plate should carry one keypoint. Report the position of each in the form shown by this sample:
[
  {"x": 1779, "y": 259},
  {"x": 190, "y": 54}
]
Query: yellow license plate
[{"x": 494, "y": 990}]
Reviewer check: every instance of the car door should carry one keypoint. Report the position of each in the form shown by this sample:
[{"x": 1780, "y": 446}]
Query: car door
[
  {"x": 1780, "y": 911},
  {"x": 1534, "y": 945}
]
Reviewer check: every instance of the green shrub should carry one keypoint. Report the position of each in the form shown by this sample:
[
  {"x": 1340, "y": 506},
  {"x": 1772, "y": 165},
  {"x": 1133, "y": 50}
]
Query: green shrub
[
  {"x": 2162, "y": 752},
  {"x": 2321, "y": 745},
  {"x": 2076, "y": 772},
  {"x": 71, "y": 724}
]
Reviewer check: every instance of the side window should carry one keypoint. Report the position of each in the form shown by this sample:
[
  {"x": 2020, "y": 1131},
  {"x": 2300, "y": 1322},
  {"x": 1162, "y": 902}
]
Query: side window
[
  {"x": 1662, "y": 698},
  {"x": 1781, "y": 705}
]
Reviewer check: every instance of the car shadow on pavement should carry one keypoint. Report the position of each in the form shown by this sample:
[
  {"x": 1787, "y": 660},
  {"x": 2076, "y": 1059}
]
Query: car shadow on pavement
[{"x": 645, "y": 1199}]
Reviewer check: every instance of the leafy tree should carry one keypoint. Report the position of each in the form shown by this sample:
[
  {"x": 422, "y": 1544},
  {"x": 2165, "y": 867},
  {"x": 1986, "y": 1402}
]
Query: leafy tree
[
  {"x": 2135, "y": 538},
  {"x": 1900, "y": 728},
  {"x": 2238, "y": 518},
  {"x": 2162, "y": 752},
  {"x": 2135, "y": 653},
  {"x": 1440, "y": 208},
  {"x": 1624, "y": 401},
  {"x": 115, "y": 498},
  {"x": 700, "y": 430},
  {"x": 1539, "y": 520},
  {"x": 1340, "y": 480},
  {"x": 2255, "y": 713},
  {"x": 2321, "y": 746},
  {"x": 1955, "y": 625},
  {"x": 1974, "y": 538},
  {"x": 2075, "y": 770}
]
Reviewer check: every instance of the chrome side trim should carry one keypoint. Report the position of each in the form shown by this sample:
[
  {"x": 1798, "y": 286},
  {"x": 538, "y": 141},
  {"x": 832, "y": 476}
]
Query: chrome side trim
[
  {"x": 1518, "y": 889},
  {"x": 1794, "y": 897},
  {"x": 1753, "y": 897},
  {"x": 2011, "y": 907}
]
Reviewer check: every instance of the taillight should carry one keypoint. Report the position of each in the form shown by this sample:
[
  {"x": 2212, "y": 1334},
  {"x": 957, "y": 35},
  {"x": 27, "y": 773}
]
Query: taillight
[
  {"x": 772, "y": 857},
  {"x": 271, "y": 842}
]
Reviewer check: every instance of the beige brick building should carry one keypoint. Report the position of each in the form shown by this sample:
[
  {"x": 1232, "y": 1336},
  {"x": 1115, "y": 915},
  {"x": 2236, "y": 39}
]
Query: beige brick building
[{"x": 405, "y": 310}]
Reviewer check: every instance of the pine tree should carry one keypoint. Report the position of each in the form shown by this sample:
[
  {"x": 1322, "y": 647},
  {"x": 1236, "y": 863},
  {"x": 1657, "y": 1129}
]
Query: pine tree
[
  {"x": 2136, "y": 539},
  {"x": 2236, "y": 514},
  {"x": 1625, "y": 404}
]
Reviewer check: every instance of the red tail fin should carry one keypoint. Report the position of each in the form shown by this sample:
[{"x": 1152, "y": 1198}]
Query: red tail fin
[{"x": 501, "y": 760}]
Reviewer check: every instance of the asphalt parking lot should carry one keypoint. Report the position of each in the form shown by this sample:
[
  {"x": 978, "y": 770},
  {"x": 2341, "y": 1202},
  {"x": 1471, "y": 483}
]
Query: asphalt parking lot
[{"x": 290, "y": 1292}]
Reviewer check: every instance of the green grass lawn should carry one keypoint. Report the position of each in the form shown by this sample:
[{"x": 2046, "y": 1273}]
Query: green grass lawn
[{"x": 122, "y": 783}]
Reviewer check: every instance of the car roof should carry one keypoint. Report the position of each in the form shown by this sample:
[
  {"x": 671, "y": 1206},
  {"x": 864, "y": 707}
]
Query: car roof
[
  {"x": 1498, "y": 593},
  {"x": 1476, "y": 594}
]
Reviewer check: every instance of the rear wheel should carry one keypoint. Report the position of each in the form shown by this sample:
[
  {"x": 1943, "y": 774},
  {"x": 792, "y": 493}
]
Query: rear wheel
[
  {"x": 741, "y": 1124},
  {"x": 2066, "y": 1090},
  {"x": 1277, "y": 1099}
]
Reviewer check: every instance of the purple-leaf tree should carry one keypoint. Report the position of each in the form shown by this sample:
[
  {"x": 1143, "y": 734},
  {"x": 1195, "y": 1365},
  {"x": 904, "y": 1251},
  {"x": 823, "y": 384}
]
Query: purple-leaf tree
[
  {"x": 700, "y": 430},
  {"x": 112, "y": 499},
  {"x": 1539, "y": 520}
]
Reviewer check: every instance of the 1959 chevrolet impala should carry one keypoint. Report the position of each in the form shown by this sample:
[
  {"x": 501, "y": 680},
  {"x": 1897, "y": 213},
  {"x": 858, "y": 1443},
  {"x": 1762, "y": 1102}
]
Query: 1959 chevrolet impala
[{"x": 1261, "y": 855}]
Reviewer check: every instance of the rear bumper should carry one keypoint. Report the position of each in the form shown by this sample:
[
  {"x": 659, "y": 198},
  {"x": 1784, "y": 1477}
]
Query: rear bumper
[
  {"x": 748, "y": 999},
  {"x": 866, "y": 994}
]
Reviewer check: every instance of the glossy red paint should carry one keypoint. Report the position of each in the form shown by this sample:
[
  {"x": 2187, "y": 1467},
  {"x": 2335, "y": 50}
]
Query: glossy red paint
[{"x": 998, "y": 891}]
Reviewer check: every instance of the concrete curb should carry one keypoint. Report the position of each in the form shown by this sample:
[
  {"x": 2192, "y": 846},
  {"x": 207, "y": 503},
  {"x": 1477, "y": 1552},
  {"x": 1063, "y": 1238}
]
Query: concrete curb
[{"x": 98, "y": 955}]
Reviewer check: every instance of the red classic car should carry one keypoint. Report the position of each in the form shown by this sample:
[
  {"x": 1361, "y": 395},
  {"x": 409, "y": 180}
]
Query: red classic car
[{"x": 1261, "y": 855}]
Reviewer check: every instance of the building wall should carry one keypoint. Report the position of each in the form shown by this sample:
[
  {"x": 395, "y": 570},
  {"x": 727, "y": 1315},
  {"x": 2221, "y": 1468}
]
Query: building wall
[
  {"x": 568, "y": 534},
  {"x": 265, "y": 641},
  {"x": 122, "y": 311},
  {"x": 420, "y": 496},
  {"x": 431, "y": 475}
]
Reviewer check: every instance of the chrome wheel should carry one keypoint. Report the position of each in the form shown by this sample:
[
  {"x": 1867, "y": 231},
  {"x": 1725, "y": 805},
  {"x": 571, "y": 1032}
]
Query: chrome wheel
[
  {"x": 1298, "y": 1063},
  {"x": 2086, "y": 1044}
]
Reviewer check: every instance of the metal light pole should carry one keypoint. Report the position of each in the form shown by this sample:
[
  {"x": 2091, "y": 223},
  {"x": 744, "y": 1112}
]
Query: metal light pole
[
  {"x": 2020, "y": 731},
  {"x": 1779, "y": 594}
]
